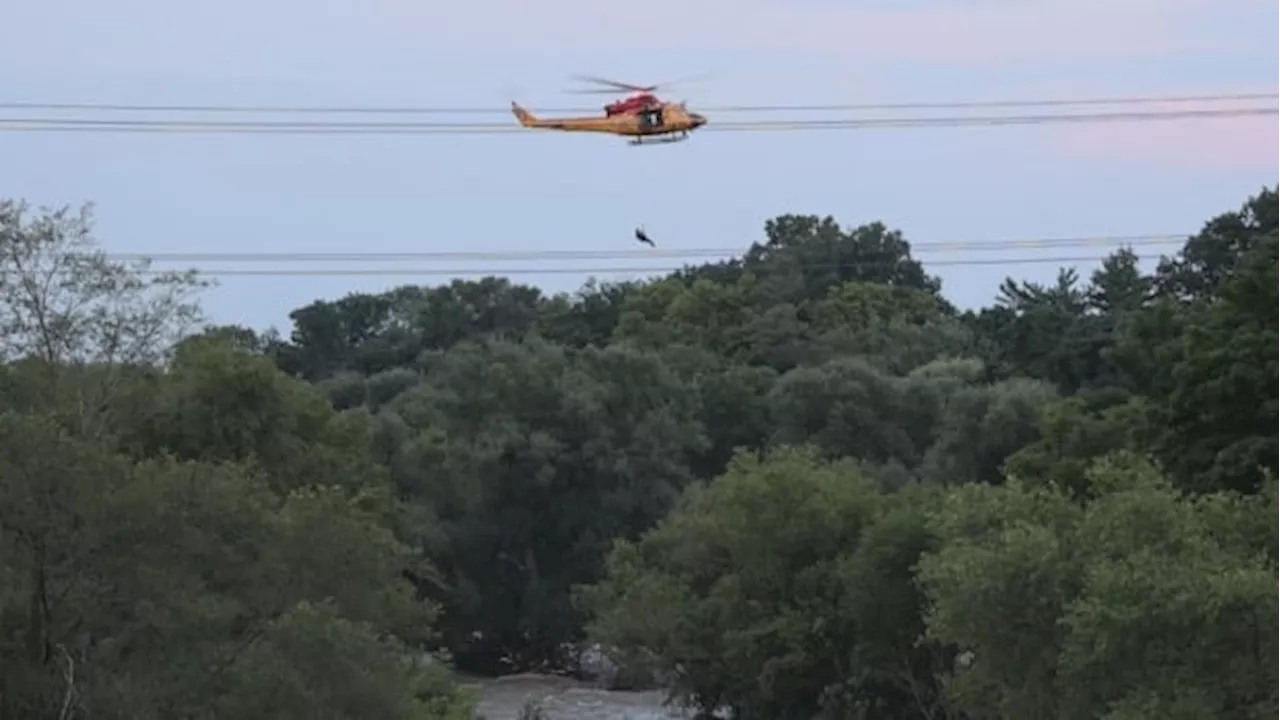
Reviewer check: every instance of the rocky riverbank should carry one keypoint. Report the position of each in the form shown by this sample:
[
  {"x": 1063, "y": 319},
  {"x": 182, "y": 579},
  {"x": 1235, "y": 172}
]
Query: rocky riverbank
[{"x": 563, "y": 698}]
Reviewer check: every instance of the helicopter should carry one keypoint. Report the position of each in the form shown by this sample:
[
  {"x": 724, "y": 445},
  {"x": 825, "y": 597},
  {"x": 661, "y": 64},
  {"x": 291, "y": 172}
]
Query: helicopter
[{"x": 641, "y": 116}]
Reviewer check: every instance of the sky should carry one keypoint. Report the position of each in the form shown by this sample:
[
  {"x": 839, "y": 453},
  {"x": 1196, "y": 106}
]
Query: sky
[{"x": 167, "y": 193}]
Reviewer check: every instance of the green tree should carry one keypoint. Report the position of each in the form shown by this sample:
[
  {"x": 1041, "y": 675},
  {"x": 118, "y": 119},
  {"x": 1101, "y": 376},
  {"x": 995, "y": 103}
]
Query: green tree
[
  {"x": 534, "y": 458},
  {"x": 1076, "y": 431},
  {"x": 981, "y": 425},
  {"x": 171, "y": 507},
  {"x": 315, "y": 663},
  {"x": 780, "y": 589},
  {"x": 139, "y": 586},
  {"x": 1222, "y": 408},
  {"x": 1142, "y": 603},
  {"x": 846, "y": 408},
  {"x": 805, "y": 256},
  {"x": 589, "y": 317}
]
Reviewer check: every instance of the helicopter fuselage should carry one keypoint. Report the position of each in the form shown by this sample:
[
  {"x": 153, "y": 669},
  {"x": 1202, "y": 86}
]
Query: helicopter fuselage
[{"x": 667, "y": 119}]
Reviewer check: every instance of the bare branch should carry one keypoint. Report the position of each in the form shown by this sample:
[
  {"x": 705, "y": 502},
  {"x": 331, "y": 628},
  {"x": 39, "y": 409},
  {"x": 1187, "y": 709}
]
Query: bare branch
[
  {"x": 65, "y": 303},
  {"x": 69, "y": 676}
]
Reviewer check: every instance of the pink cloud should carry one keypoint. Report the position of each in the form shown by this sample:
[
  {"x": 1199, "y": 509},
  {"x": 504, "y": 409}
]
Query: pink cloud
[
  {"x": 1235, "y": 143},
  {"x": 974, "y": 31}
]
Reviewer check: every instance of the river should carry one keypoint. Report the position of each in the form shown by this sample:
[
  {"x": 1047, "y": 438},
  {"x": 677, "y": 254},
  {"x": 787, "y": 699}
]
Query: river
[{"x": 567, "y": 699}]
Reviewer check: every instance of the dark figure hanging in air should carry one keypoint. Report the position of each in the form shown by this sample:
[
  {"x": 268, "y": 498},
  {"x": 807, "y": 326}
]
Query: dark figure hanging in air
[{"x": 642, "y": 237}]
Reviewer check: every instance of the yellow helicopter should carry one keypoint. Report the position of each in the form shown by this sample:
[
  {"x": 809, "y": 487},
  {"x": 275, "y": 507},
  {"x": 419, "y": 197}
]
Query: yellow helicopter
[{"x": 641, "y": 116}]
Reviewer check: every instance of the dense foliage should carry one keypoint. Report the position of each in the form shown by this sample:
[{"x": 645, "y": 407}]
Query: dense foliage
[{"x": 797, "y": 484}]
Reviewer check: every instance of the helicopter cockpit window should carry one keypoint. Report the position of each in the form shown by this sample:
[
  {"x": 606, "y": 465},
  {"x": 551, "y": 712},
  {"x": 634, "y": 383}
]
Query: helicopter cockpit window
[{"x": 651, "y": 118}]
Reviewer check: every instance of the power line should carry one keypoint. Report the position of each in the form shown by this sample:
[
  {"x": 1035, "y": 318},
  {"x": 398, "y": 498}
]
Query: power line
[
  {"x": 464, "y": 272},
  {"x": 442, "y": 110},
  {"x": 43, "y": 124},
  {"x": 561, "y": 255}
]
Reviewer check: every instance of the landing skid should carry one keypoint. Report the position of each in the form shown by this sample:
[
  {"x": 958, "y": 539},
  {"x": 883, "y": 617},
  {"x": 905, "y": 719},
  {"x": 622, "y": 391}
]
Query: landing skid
[{"x": 661, "y": 139}]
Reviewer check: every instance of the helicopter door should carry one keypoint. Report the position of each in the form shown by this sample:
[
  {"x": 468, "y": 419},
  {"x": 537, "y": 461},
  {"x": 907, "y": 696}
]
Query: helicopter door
[{"x": 650, "y": 119}]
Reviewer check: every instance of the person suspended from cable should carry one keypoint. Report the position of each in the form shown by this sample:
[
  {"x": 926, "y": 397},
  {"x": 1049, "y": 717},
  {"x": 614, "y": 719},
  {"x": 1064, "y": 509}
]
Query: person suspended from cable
[{"x": 641, "y": 236}]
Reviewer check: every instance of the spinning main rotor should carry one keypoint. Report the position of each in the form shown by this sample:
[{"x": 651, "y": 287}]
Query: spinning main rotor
[{"x": 613, "y": 87}]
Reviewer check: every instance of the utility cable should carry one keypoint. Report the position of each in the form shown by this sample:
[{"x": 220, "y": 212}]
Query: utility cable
[
  {"x": 562, "y": 255},
  {"x": 46, "y": 124},
  {"x": 443, "y": 110},
  {"x": 618, "y": 269}
]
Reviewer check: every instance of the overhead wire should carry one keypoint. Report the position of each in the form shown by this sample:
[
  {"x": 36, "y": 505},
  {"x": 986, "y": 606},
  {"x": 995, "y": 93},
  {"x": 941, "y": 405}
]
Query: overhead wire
[
  {"x": 561, "y": 256},
  {"x": 566, "y": 254},
  {"x": 330, "y": 127},
  {"x": 596, "y": 270},
  {"x": 46, "y": 124},
  {"x": 445, "y": 110}
]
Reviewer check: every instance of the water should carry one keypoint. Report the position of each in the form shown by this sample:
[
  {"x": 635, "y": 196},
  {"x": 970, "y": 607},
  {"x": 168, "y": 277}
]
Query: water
[{"x": 567, "y": 699}]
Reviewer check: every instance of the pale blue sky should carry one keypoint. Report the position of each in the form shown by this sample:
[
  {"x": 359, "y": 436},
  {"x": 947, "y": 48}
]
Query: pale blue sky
[{"x": 202, "y": 193}]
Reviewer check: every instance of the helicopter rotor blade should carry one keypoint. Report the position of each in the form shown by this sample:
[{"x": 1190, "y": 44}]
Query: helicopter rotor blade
[
  {"x": 615, "y": 84},
  {"x": 681, "y": 81},
  {"x": 596, "y": 91}
]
